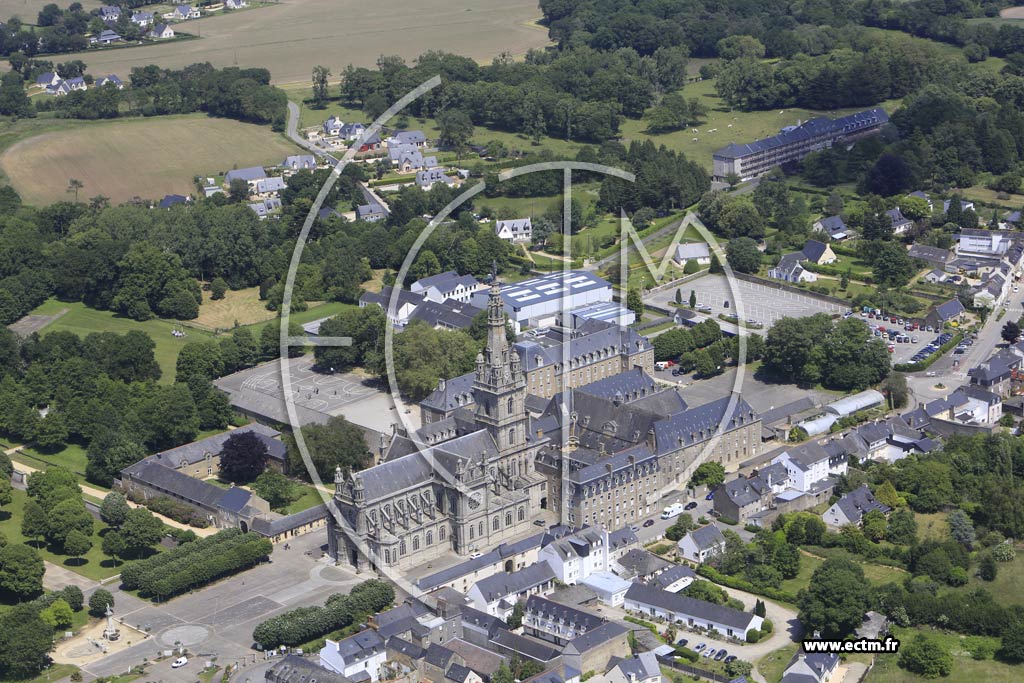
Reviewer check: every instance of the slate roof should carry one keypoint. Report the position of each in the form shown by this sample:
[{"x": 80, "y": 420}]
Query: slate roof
[
  {"x": 897, "y": 217},
  {"x": 452, "y": 314},
  {"x": 246, "y": 174},
  {"x": 543, "y": 608},
  {"x": 429, "y": 176},
  {"x": 596, "y": 637},
  {"x": 949, "y": 309},
  {"x": 360, "y": 646},
  {"x": 410, "y": 137},
  {"x": 833, "y": 225},
  {"x": 275, "y": 527},
  {"x": 640, "y": 562},
  {"x": 809, "y": 129},
  {"x": 364, "y": 210},
  {"x": 624, "y": 387},
  {"x": 813, "y": 250},
  {"x": 457, "y": 391},
  {"x": 402, "y": 646},
  {"x": 438, "y": 655},
  {"x": 234, "y": 499},
  {"x": 805, "y": 455},
  {"x": 671, "y": 575},
  {"x": 196, "y": 451},
  {"x": 300, "y": 161},
  {"x": 446, "y": 282},
  {"x": 162, "y": 478},
  {"x": 528, "y": 647},
  {"x": 859, "y": 502},
  {"x": 789, "y": 263},
  {"x": 296, "y": 669},
  {"x": 170, "y": 200},
  {"x": 504, "y": 584},
  {"x": 930, "y": 254},
  {"x": 681, "y": 604},
  {"x": 707, "y": 537},
  {"x": 685, "y": 428},
  {"x": 272, "y": 184},
  {"x": 641, "y": 666},
  {"x": 457, "y": 673}
]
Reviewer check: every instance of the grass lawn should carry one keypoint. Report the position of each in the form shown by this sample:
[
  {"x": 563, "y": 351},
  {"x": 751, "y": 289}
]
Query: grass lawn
[
  {"x": 116, "y": 159},
  {"x": 965, "y": 668},
  {"x": 326, "y": 309},
  {"x": 772, "y": 664},
  {"x": 1009, "y": 582},
  {"x": 52, "y": 673},
  {"x": 309, "y": 497},
  {"x": 932, "y": 525},
  {"x": 877, "y": 574},
  {"x": 71, "y": 456},
  {"x": 82, "y": 320},
  {"x": 238, "y": 307},
  {"x": 93, "y": 565}
]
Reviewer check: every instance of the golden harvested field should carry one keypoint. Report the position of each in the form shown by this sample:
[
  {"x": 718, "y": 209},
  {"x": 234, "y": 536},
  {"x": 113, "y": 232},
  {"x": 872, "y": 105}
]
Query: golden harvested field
[
  {"x": 136, "y": 157},
  {"x": 292, "y": 37},
  {"x": 28, "y": 10},
  {"x": 1012, "y": 13},
  {"x": 241, "y": 306}
]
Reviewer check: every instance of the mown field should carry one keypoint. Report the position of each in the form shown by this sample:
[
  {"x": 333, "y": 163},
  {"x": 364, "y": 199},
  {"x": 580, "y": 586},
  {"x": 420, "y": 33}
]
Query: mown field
[
  {"x": 965, "y": 668},
  {"x": 129, "y": 158},
  {"x": 28, "y": 10},
  {"x": 290, "y": 38}
]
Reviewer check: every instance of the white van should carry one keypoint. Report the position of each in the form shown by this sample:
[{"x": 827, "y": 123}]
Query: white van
[
  {"x": 179, "y": 662},
  {"x": 660, "y": 365},
  {"x": 673, "y": 510}
]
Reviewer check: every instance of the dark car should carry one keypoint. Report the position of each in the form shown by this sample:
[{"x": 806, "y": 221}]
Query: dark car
[
  {"x": 677, "y": 372},
  {"x": 730, "y": 659},
  {"x": 648, "y": 523},
  {"x": 721, "y": 655},
  {"x": 709, "y": 496},
  {"x": 682, "y": 642},
  {"x": 689, "y": 506}
]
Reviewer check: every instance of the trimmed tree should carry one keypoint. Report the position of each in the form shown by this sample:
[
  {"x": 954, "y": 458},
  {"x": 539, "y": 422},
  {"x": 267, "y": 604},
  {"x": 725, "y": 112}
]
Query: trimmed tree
[
  {"x": 114, "y": 509},
  {"x": 99, "y": 600},
  {"x": 243, "y": 457}
]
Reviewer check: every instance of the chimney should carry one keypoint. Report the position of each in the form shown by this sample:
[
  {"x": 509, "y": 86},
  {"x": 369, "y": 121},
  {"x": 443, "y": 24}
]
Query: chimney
[{"x": 440, "y": 384}]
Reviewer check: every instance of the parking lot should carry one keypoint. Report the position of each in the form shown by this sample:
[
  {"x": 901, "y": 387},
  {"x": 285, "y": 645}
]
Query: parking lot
[
  {"x": 758, "y": 302},
  {"x": 908, "y": 346}
]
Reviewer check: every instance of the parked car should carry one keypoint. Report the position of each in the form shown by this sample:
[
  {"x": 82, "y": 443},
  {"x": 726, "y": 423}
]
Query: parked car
[
  {"x": 730, "y": 659},
  {"x": 721, "y": 655},
  {"x": 649, "y": 522},
  {"x": 913, "y": 340},
  {"x": 689, "y": 506},
  {"x": 682, "y": 642},
  {"x": 710, "y": 496},
  {"x": 179, "y": 662},
  {"x": 700, "y": 647},
  {"x": 709, "y": 652},
  {"x": 538, "y": 522}
]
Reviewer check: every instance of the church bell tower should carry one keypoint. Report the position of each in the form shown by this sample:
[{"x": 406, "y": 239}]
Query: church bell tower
[{"x": 499, "y": 388}]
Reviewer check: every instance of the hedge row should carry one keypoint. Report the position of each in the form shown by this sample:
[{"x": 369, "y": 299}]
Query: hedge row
[
  {"x": 301, "y": 625},
  {"x": 168, "y": 507},
  {"x": 742, "y": 584},
  {"x": 196, "y": 564},
  {"x": 927, "y": 362}
]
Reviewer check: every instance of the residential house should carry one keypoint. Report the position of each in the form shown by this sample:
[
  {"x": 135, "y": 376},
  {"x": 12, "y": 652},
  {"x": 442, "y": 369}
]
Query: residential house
[
  {"x": 790, "y": 270},
  {"x": 183, "y": 13},
  {"x": 351, "y": 131},
  {"x": 368, "y": 143},
  {"x": 172, "y": 200},
  {"x": 371, "y": 212},
  {"x": 574, "y": 558},
  {"x": 993, "y": 374},
  {"x": 981, "y": 242},
  {"x": 640, "y": 668},
  {"x": 674, "y": 579},
  {"x": 609, "y": 588},
  {"x": 407, "y": 158},
  {"x": 416, "y": 138},
  {"x": 251, "y": 175},
  {"x": 809, "y": 464},
  {"x": 110, "y": 13},
  {"x": 949, "y": 311},
  {"x": 264, "y": 208},
  {"x": 649, "y": 601},
  {"x": 161, "y": 32},
  {"x": 933, "y": 256},
  {"x": 818, "y": 253},
  {"x": 900, "y": 223},
  {"x": 693, "y": 251},
  {"x": 77, "y": 83},
  {"x": 556, "y": 623},
  {"x": 48, "y": 79},
  {"x": 110, "y": 79},
  {"x": 851, "y": 508},
  {"x": 405, "y": 306},
  {"x": 595, "y": 649},
  {"x": 142, "y": 19},
  {"x": 447, "y": 285},
  {"x": 106, "y": 37},
  {"x": 426, "y": 178},
  {"x": 922, "y": 195},
  {"x": 934, "y": 276},
  {"x": 745, "y": 499},
  {"x": 295, "y": 669},
  {"x": 497, "y": 594},
  {"x": 270, "y": 185},
  {"x": 332, "y": 127},
  {"x": 299, "y": 162},
  {"x": 358, "y": 657},
  {"x": 640, "y": 564},
  {"x": 964, "y": 205},
  {"x": 514, "y": 230},
  {"x": 975, "y": 405},
  {"x": 701, "y": 544},
  {"x": 811, "y": 667},
  {"x": 833, "y": 226}
]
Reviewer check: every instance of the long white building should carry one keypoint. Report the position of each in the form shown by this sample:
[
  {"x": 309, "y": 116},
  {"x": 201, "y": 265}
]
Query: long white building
[{"x": 540, "y": 301}]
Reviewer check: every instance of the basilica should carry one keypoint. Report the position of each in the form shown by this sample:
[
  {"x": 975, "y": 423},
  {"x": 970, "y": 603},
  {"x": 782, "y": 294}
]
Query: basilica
[{"x": 484, "y": 467}]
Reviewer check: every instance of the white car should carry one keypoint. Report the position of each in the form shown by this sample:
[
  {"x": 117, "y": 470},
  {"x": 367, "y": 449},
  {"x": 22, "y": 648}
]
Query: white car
[{"x": 179, "y": 662}]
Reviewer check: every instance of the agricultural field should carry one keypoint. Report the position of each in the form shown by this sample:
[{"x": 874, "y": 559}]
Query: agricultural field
[
  {"x": 28, "y": 10},
  {"x": 131, "y": 157},
  {"x": 291, "y": 38}
]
